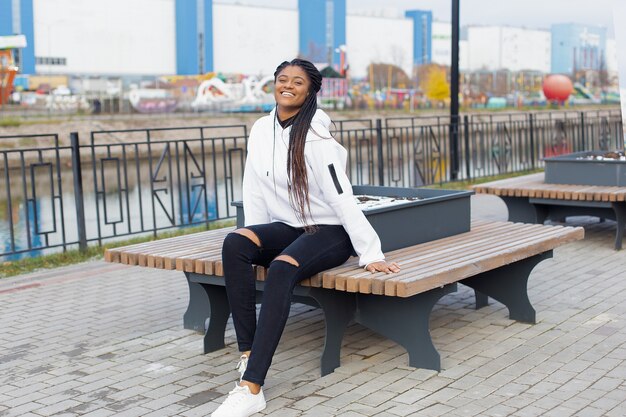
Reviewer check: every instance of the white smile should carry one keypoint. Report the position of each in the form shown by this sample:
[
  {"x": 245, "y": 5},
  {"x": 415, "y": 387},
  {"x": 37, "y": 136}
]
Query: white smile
[{"x": 287, "y": 94}]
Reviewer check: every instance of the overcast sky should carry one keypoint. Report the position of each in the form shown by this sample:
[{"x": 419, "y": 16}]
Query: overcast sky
[
  {"x": 528, "y": 13},
  {"x": 620, "y": 37}
]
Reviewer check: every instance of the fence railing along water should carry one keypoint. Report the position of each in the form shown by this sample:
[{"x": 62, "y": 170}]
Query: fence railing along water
[{"x": 57, "y": 195}]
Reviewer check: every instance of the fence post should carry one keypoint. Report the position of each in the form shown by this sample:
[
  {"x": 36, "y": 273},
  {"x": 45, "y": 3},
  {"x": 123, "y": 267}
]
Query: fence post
[
  {"x": 379, "y": 146},
  {"x": 531, "y": 128},
  {"x": 78, "y": 192},
  {"x": 454, "y": 147},
  {"x": 466, "y": 136},
  {"x": 582, "y": 131}
]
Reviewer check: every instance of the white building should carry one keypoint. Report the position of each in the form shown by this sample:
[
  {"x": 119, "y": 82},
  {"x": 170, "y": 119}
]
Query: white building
[
  {"x": 611, "y": 56},
  {"x": 442, "y": 43},
  {"x": 139, "y": 37},
  {"x": 378, "y": 40},
  {"x": 504, "y": 47},
  {"x": 253, "y": 40},
  {"x": 116, "y": 37},
  {"x": 442, "y": 46}
]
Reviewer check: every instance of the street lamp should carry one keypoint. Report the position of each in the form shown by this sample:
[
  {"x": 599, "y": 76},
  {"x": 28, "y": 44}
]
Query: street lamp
[{"x": 454, "y": 94}]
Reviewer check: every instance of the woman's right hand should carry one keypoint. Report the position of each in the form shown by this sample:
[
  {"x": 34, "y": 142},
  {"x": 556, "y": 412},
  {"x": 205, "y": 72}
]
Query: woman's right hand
[{"x": 383, "y": 266}]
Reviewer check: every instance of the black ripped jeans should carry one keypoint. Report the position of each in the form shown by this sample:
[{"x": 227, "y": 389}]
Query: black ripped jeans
[{"x": 327, "y": 247}]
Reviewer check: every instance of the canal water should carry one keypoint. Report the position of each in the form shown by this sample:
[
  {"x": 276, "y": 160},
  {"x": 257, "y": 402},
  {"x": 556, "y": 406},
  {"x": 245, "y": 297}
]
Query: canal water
[
  {"x": 44, "y": 221},
  {"x": 180, "y": 198}
]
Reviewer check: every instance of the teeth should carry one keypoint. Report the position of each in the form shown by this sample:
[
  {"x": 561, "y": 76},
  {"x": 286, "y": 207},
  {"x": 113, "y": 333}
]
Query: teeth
[{"x": 286, "y": 93}]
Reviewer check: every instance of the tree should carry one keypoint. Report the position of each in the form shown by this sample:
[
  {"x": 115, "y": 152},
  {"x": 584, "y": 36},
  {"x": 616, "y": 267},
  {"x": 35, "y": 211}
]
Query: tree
[
  {"x": 436, "y": 87},
  {"x": 387, "y": 76}
]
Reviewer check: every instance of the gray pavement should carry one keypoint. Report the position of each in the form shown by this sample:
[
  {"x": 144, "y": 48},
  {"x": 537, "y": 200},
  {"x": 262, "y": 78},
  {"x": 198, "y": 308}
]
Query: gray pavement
[{"x": 100, "y": 339}]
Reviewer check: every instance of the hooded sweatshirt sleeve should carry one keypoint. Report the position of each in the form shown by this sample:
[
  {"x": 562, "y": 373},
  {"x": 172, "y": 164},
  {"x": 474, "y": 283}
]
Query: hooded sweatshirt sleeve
[
  {"x": 254, "y": 205},
  {"x": 327, "y": 160}
]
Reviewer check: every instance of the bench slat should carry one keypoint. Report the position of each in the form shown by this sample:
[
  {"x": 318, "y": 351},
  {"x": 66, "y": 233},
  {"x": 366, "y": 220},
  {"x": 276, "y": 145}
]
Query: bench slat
[
  {"x": 488, "y": 262},
  {"x": 472, "y": 256},
  {"x": 441, "y": 255},
  {"x": 352, "y": 267},
  {"x": 120, "y": 254},
  {"x": 425, "y": 258},
  {"x": 366, "y": 282},
  {"x": 533, "y": 186},
  {"x": 165, "y": 256}
]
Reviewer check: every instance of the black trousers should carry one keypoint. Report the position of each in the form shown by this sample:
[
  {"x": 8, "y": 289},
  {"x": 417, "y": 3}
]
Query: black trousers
[{"x": 328, "y": 246}]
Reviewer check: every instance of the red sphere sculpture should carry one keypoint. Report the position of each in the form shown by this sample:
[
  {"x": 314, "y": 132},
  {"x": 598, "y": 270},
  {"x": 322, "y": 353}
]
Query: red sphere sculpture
[{"x": 557, "y": 87}]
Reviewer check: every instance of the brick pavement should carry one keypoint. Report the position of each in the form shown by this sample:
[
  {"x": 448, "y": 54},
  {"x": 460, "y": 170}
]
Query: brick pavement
[{"x": 102, "y": 339}]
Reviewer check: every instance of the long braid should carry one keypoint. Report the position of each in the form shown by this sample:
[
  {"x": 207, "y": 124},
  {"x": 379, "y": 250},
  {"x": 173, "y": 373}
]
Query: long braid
[{"x": 296, "y": 165}]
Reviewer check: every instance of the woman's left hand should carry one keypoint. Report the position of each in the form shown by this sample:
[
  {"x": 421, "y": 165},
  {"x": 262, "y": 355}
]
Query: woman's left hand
[{"x": 383, "y": 266}]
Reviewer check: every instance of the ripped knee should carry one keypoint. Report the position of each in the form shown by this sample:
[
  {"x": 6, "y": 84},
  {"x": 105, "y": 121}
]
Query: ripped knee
[
  {"x": 288, "y": 259},
  {"x": 249, "y": 234}
]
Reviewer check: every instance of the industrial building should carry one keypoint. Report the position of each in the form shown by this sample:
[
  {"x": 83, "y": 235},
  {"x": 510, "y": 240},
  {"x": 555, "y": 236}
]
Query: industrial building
[
  {"x": 512, "y": 48},
  {"x": 122, "y": 38},
  {"x": 166, "y": 37},
  {"x": 578, "y": 47}
]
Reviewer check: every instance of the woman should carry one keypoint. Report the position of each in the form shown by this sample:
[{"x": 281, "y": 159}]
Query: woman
[{"x": 301, "y": 218}]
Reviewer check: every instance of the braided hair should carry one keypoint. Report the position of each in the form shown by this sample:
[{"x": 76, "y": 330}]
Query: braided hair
[{"x": 296, "y": 166}]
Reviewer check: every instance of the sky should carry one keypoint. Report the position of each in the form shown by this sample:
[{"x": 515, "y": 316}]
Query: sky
[{"x": 536, "y": 14}]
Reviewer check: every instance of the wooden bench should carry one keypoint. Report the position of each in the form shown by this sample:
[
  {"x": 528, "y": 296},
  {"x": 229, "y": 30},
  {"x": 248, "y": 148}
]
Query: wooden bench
[
  {"x": 529, "y": 199},
  {"x": 494, "y": 258}
]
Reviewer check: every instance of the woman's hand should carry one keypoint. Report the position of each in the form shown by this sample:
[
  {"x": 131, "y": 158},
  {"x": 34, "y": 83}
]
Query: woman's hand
[{"x": 383, "y": 266}]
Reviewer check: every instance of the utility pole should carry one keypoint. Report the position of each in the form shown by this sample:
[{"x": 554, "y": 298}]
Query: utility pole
[{"x": 454, "y": 92}]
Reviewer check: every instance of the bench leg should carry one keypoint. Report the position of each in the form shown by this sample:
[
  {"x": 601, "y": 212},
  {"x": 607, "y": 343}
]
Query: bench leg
[
  {"x": 214, "y": 306},
  {"x": 198, "y": 309},
  {"x": 512, "y": 291},
  {"x": 405, "y": 321},
  {"x": 339, "y": 309},
  {"x": 521, "y": 210},
  {"x": 482, "y": 300},
  {"x": 620, "y": 218},
  {"x": 220, "y": 311}
]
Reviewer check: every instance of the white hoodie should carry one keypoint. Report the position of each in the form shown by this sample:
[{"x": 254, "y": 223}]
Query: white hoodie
[{"x": 265, "y": 192}]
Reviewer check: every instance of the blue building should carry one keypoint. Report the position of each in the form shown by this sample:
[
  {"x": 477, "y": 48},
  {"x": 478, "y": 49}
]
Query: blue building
[
  {"x": 185, "y": 39},
  {"x": 422, "y": 35},
  {"x": 577, "y": 47},
  {"x": 322, "y": 29},
  {"x": 194, "y": 37},
  {"x": 16, "y": 18},
  {"x": 194, "y": 34}
]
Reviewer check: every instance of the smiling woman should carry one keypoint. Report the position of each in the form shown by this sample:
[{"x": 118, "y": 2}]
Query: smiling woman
[
  {"x": 292, "y": 88},
  {"x": 300, "y": 219}
]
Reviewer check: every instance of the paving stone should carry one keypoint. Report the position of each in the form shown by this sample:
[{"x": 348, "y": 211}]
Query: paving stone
[
  {"x": 500, "y": 410},
  {"x": 530, "y": 411},
  {"x": 129, "y": 355},
  {"x": 56, "y": 408},
  {"x": 101, "y": 412},
  {"x": 377, "y": 398}
]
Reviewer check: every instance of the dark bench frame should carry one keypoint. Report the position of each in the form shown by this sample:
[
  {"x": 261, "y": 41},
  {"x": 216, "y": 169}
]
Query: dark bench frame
[
  {"x": 403, "y": 320},
  {"x": 538, "y": 210}
]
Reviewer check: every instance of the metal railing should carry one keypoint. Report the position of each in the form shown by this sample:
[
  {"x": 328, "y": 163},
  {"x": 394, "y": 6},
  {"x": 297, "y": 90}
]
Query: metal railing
[{"x": 120, "y": 183}]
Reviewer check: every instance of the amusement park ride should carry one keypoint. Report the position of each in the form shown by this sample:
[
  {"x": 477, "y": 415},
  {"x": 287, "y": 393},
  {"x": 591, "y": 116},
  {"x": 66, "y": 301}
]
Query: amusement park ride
[
  {"x": 251, "y": 94},
  {"x": 7, "y": 64}
]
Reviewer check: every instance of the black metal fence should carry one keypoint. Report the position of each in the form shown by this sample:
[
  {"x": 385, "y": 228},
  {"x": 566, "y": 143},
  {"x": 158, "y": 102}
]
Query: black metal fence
[{"x": 130, "y": 182}]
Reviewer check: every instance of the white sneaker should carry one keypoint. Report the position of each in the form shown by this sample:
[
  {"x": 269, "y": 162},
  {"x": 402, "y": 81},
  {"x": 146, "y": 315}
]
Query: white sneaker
[
  {"x": 242, "y": 365},
  {"x": 241, "y": 403}
]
